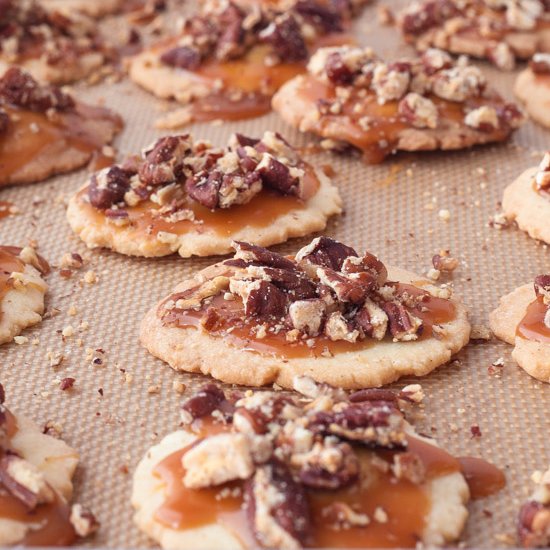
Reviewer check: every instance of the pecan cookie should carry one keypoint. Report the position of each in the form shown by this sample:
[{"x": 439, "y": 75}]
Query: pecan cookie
[
  {"x": 329, "y": 313},
  {"x": 322, "y": 469},
  {"x": 44, "y": 131},
  {"x": 532, "y": 88},
  {"x": 523, "y": 320},
  {"x": 52, "y": 46},
  {"x": 351, "y": 98},
  {"x": 534, "y": 515},
  {"x": 231, "y": 57},
  {"x": 189, "y": 197},
  {"x": 36, "y": 472},
  {"x": 500, "y": 31},
  {"x": 527, "y": 201},
  {"x": 22, "y": 290}
]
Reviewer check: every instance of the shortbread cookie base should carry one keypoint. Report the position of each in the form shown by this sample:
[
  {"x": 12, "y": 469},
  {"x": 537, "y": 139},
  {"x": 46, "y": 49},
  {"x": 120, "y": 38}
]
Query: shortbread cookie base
[
  {"x": 534, "y": 92},
  {"x": 53, "y": 457},
  {"x": 22, "y": 307},
  {"x": 532, "y": 357},
  {"x": 529, "y": 209},
  {"x": 194, "y": 350},
  {"x": 299, "y": 111},
  {"x": 94, "y": 8},
  {"x": 448, "y": 514},
  {"x": 62, "y": 73},
  {"x": 166, "y": 82},
  {"x": 197, "y": 242}
]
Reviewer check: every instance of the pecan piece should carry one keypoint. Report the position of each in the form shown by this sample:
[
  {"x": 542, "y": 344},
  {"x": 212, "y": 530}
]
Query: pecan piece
[
  {"x": 325, "y": 252},
  {"x": 346, "y": 289},
  {"x": 542, "y": 287},
  {"x": 390, "y": 81},
  {"x": 372, "y": 320},
  {"x": 230, "y": 41},
  {"x": 285, "y": 37},
  {"x": 163, "y": 163},
  {"x": 444, "y": 262},
  {"x": 182, "y": 57},
  {"x": 263, "y": 256},
  {"x": 404, "y": 326},
  {"x": 307, "y": 315},
  {"x": 294, "y": 283},
  {"x": 337, "y": 71},
  {"x": 83, "y": 521},
  {"x": 484, "y": 119},
  {"x": 278, "y": 176},
  {"x": 369, "y": 263},
  {"x": 277, "y": 508},
  {"x": 261, "y": 299},
  {"x": 534, "y": 525},
  {"x": 326, "y": 18},
  {"x": 540, "y": 63},
  {"x": 337, "y": 327},
  {"x": 419, "y": 111},
  {"x": 108, "y": 187},
  {"x": 203, "y": 403}
]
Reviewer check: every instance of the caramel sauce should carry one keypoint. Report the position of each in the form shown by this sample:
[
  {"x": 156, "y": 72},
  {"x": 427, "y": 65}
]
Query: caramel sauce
[
  {"x": 5, "y": 207},
  {"x": 30, "y": 135},
  {"x": 405, "y": 503},
  {"x": 234, "y": 328},
  {"x": 483, "y": 478},
  {"x": 381, "y": 137},
  {"x": 99, "y": 161},
  {"x": 532, "y": 326},
  {"x": 263, "y": 210}
]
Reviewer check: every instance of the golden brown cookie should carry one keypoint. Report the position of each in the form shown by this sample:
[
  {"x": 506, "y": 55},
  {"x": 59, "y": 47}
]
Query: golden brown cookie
[
  {"x": 22, "y": 290},
  {"x": 191, "y": 198},
  {"x": 532, "y": 88},
  {"x": 44, "y": 131},
  {"x": 527, "y": 201},
  {"x": 351, "y": 98},
  {"x": 231, "y": 57},
  {"x": 501, "y": 32},
  {"x": 330, "y": 314},
  {"x": 36, "y": 472},
  {"x": 523, "y": 320},
  {"x": 321, "y": 469}
]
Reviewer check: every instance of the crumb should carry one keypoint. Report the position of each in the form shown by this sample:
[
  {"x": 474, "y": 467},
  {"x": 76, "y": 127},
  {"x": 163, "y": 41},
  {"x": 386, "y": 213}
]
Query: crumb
[
  {"x": 20, "y": 340},
  {"x": 90, "y": 278},
  {"x": 444, "y": 215}
]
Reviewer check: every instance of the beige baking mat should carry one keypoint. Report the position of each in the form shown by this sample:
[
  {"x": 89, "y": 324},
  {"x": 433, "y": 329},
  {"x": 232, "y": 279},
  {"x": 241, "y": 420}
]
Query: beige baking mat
[{"x": 391, "y": 210}]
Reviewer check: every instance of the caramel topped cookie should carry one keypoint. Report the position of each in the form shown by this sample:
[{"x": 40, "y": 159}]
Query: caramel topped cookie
[
  {"x": 53, "y": 47},
  {"x": 527, "y": 201},
  {"x": 329, "y": 313},
  {"x": 22, "y": 290},
  {"x": 523, "y": 320},
  {"x": 323, "y": 469},
  {"x": 232, "y": 56},
  {"x": 534, "y": 515},
  {"x": 192, "y": 198},
  {"x": 501, "y": 31},
  {"x": 351, "y": 97},
  {"x": 44, "y": 131},
  {"x": 36, "y": 473},
  {"x": 532, "y": 88}
]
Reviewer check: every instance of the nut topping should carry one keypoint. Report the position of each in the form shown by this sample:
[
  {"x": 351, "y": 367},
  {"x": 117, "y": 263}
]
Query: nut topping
[
  {"x": 542, "y": 177},
  {"x": 534, "y": 515},
  {"x": 542, "y": 288}
]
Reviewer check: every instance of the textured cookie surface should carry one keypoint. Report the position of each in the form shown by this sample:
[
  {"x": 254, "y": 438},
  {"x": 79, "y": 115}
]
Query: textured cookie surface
[{"x": 534, "y": 92}]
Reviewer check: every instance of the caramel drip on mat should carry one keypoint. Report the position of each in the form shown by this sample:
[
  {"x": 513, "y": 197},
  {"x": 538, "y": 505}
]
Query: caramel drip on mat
[
  {"x": 483, "y": 478},
  {"x": 385, "y": 124},
  {"x": 263, "y": 210},
  {"x": 231, "y": 316},
  {"x": 532, "y": 326},
  {"x": 405, "y": 503},
  {"x": 30, "y": 135},
  {"x": 50, "y": 522}
]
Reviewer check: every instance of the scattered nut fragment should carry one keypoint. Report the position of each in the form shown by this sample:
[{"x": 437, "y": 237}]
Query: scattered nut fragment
[
  {"x": 83, "y": 521},
  {"x": 66, "y": 384},
  {"x": 90, "y": 277},
  {"x": 444, "y": 262}
]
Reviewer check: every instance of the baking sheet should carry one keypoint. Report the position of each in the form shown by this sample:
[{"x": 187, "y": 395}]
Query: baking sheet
[{"x": 391, "y": 210}]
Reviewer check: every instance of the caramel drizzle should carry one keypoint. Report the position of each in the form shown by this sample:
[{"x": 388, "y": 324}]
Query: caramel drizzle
[
  {"x": 385, "y": 125},
  {"x": 49, "y": 523},
  {"x": 30, "y": 134},
  {"x": 532, "y": 326},
  {"x": 235, "y": 329},
  {"x": 262, "y": 211},
  {"x": 406, "y": 504}
]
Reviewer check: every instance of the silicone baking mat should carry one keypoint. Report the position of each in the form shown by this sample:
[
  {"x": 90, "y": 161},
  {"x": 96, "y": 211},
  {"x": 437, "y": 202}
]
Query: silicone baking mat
[{"x": 116, "y": 412}]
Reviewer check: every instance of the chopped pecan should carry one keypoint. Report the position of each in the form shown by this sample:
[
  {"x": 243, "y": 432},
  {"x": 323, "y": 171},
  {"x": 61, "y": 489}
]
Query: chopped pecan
[
  {"x": 540, "y": 63},
  {"x": 278, "y": 176},
  {"x": 368, "y": 263},
  {"x": 294, "y": 283},
  {"x": 307, "y": 315},
  {"x": 182, "y": 57},
  {"x": 458, "y": 83},
  {"x": 390, "y": 81},
  {"x": 542, "y": 287},
  {"x": 502, "y": 56},
  {"x": 208, "y": 399},
  {"x": 285, "y": 37},
  {"x": 19, "y": 88},
  {"x": 404, "y": 326},
  {"x": 322, "y": 16},
  {"x": 534, "y": 525},
  {"x": 108, "y": 187},
  {"x": 261, "y": 299},
  {"x": 345, "y": 288},
  {"x": 325, "y": 252},
  {"x": 484, "y": 119},
  {"x": 372, "y": 320},
  {"x": 163, "y": 163},
  {"x": 337, "y": 327},
  {"x": 444, "y": 262},
  {"x": 263, "y": 256},
  {"x": 337, "y": 71},
  {"x": 277, "y": 508},
  {"x": 230, "y": 42},
  {"x": 434, "y": 60},
  {"x": 423, "y": 16},
  {"x": 83, "y": 521},
  {"x": 419, "y": 111}
]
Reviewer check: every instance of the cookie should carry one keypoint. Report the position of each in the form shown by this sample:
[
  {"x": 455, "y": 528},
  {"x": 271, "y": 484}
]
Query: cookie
[
  {"x": 44, "y": 131},
  {"x": 501, "y": 32},
  {"x": 532, "y": 88},
  {"x": 189, "y": 197},
  {"x": 230, "y": 57},
  {"x": 534, "y": 515},
  {"x": 322, "y": 469},
  {"x": 53, "y": 47},
  {"x": 351, "y": 98},
  {"x": 36, "y": 472},
  {"x": 340, "y": 318},
  {"x": 22, "y": 290},
  {"x": 523, "y": 320},
  {"x": 527, "y": 201}
]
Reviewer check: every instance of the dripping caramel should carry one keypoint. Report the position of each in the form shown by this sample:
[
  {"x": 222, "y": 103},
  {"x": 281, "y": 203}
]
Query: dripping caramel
[{"x": 532, "y": 326}]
